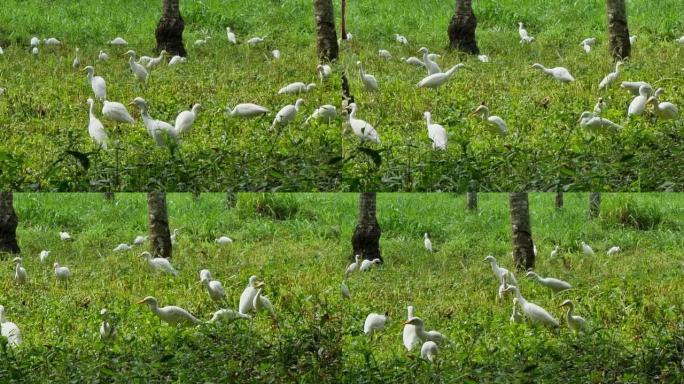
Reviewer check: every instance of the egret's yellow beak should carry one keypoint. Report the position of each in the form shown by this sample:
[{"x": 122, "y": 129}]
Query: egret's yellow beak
[{"x": 141, "y": 302}]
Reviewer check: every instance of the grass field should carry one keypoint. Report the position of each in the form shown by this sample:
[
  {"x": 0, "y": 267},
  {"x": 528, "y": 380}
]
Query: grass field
[
  {"x": 300, "y": 244},
  {"x": 44, "y": 116}
]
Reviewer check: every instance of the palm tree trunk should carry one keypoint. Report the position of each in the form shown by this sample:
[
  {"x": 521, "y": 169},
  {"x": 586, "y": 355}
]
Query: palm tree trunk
[
  {"x": 8, "y": 224},
  {"x": 169, "y": 33},
  {"x": 618, "y": 32},
  {"x": 158, "y": 219},
  {"x": 343, "y": 20},
  {"x": 347, "y": 97},
  {"x": 559, "y": 199},
  {"x": 462, "y": 28},
  {"x": 231, "y": 199},
  {"x": 523, "y": 248},
  {"x": 594, "y": 204},
  {"x": 326, "y": 36},
  {"x": 366, "y": 237},
  {"x": 471, "y": 196}
]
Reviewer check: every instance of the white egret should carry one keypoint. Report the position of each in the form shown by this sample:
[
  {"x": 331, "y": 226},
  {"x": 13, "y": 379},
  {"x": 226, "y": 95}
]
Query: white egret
[
  {"x": 122, "y": 248},
  {"x": 575, "y": 323},
  {"x": 559, "y": 73},
  {"x": 680, "y": 40},
  {"x": 429, "y": 351},
  {"x": 369, "y": 81},
  {"x": 118, "y": 41},
  {"x": 430, "y": 64},
  {"x": 138, "y": 70},
  {"x": 501, "y": 294},
  {"x": 157, "y": 60},
  {"x": 417, "y": 322},
  {"x": 170, "y": 314},
  {"x": 2, "y": 51},
  {"x": 632, "y": 39},
  {"x": 116, "y": 112},
  {"x": 177, "y": 60},
  {"x": 34, "y": 50},
  {"x": 613, "y": 250},
  {"x": 102, "y": 56},
  {"x": 76, "y": 63},
  {"x": 159, "y": 264},
  {"x": 534, "y": 312},
  {"x": 324, "y": 71},
  {"x": 597, "y": 124},
  {"x": 555, "y": 252},
  {"x": 361, "y": 128},
  {"x": 35, "y": 41},
  {"x": 483, "y": 58},
  {"x": 664, "y": 110},
  {"x": 587, "y": 249},
  {"x": 353, "y": 267},
  {"x": 501, "y": 272},
  {"x": 174, "y": 235},
  {"x": 95, "y": 128},
  {"x": 52, "y": 41},
  {"x": 413, "y": 61},
  {"x": 261, "y": 302},
  {"x": 324, "y": 112},
  {"x": 157, "y": 129},
  {"x": 20, "y": 275},
  {"x": 297, "y": 87},
  {"x": 599, "y": 107},
  {"x": 367, "y": 264},
  {"x": 516, "y": 317},
  {"x": 64, "y": 236},
  {"x": 385, "y": 54},
  {"x": 436, "y": 133},
  {"x": 144, "y": 60},
  {"x": 255, "y": 40},
  {"x": 9, "y": 330},
  {"x": 227, "y": 314},
  {"x": 201, "y": 42},
  {"x": 231, "y": 36},
  {"x": 588, "y": 43},
  {"x": 633, "y": 86},
  {"x": 43, "y": 255},
  {"x": 287, "y": 114},
  {"x": 139, "y": 240},
  {"x": 107, "y": 329},
  {"x": 611, "y": 77},
  {"x": 2, "y": 91},
  {"x": 427, "y": 242},
  {"x": 524, "y": 35},
  {"x": 436, "y": 80},
  {"x": 247, "y": 296},
  {"x": 97, "y": 83},
  {"x": 374, "y": 323},
  {"x": 638, "y": 104},
  {"x": 554, "y": 284},
  {"x": 185, "y": 119},
  {"x": 400, "y": 39},
  {"x": 247, "y": 110},
  {"x": 495, "y": 124},
  {"x": 62, "y": 273},
  {"x": 346, "y": 294},
  {"x": 223, "y": 240},
  {"x": 275, "y": 53},
  {"x": 410, "y": 336},
  {"x": 214, "y": 287}
]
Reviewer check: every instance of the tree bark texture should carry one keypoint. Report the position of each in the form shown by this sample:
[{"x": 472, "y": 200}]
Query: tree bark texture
[
  {"x": 326, "y": 36},
  {"x": 366, "y": 237},
  {"x": 169, "y": 32},
  {"x": 158, "y": 219},
  {"x": 594, "y": 204},
  {"x": 559, "y": 200},
  {"x": 523, "y": 248},
  {"x": 8, "y": 224},
  {"x": 462, "y": 28},
  {"x": 618, "y": 32},
  {"x": 471, "y": 196}
]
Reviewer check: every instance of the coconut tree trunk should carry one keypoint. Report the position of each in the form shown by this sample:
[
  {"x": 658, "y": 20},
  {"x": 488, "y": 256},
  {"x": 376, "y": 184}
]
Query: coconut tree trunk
[
  {"x": 343, "y": 20},
  {"x": 594, "y": 204},
  {"x": 347, "y": 97},
  {"x": 618, "y": 32},
  {"x": 559, "y": 199},
  {"x": 462, "y": 28},
  {"x": 523, "y": 248},
  {"x": 366, "y": 237},
  {"x": 8, "y": 224},
  {"x": 169, "y": 33},
  {"x": 471, "y": 196},
  {"x": 231, "y": 199},
  {"x": 158, "y": 219},
  {"x": 326, "y": 36}
]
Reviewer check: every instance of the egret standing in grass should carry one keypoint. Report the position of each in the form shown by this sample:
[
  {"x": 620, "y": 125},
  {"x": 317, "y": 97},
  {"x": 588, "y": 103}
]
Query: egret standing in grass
[
  {"x": 575, "y": 323},
  {"x": 611, "y": 77},
  {"x": 587, "y": 249},
  {"x": 429, "y": 351},
  {"x": 366, "y": 264},
  {"x": 496, "y": 124},
  {"x": 346, "y": 294},
  {"x": 95, "y": 128},
  {"x": 438, "y": 79},
  {"x": 261, "y": 302},
  {"x": 9, "y": 330},
  {"x": 361, "y": 128},
  {"x": 227, "y": 314},
  {"x": 417, "y": 322},
  {"x": 102, "y": 56},
  {"x": 436, "y": 133},
  {"x": 634, "y": 86},
  {"x": 324, "y": 71},
  {"x": 533, "y": 312},
  {"x": 138, "y": 70},
  {"x": 231, "y": 36},
  {"x": 664, "y": 110},
  {"x": 247, "y": 296},
  {"x": 76, "y": 63},
  {"x": 107, "y": 329},
  {"x": 155, "y": 61},
  {"x": 369, "y": 81},
  {"x": 65, "y": 236},
  {"x": 554, "y": 284},
  {"x": 613, "y": 250},
  {"x": 97, "y": 83},
  {"x": 123, "y": 247},
  {"x": 62, "y": 273},
  {"x": 374, "y": 323},
  {"x": 559, "y": 73},
  {"x": 324, "y": 112},
  {"x": 598, "y": 124},
  {"x": 214, "y": 287},
  {"x": 118, "y": 41},
  {"x": 410, "y": 336},
  {"x": 185, "y": 120},
  {"x": 43, "y": 255},
  {"x": 501, "y": 272},
  {"x": 20, "y": 275},
  {"x": 170, "y": 314},
  {"x": 116, "y": 112},
  {"x": 287, "y": 114},
  {"x": 157, "y": 129},
  {"x": 297, "y": 87},
  {"x": 353, "y": 267},
  {"x": 400, "y": 39},
  {"x": 429, "y": 64},
  {"x": 427, "y": 242},
  {"x": 525, "y": 37},
  {"x": 224, "y": 240},
  {"x": 159, "y": 264},
  {"x": 638, "y": 104}
]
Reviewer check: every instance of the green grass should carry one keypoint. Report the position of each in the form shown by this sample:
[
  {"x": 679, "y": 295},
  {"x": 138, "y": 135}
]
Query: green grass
[
  {"x": 300, "y": 244},
  {"x": 43, "y": 114}
]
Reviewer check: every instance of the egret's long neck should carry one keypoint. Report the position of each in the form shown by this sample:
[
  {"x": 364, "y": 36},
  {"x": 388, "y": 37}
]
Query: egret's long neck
[
  {"x": 421, "y": 332},
  {"x": 410, "y": 312},
  {"x": 569, "y": 312},
  {"x": 90, "y": 110},
  {"x": 452, "y": 70},
  {"x": 90, "y": 77},
  {"x": 428, "y": 118},
  {"x": 2, "y": 316},
  {"x": 485, "y": 113},
  {"x": 363, "y": 71},
  {"x": 352, "y": 116}
]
